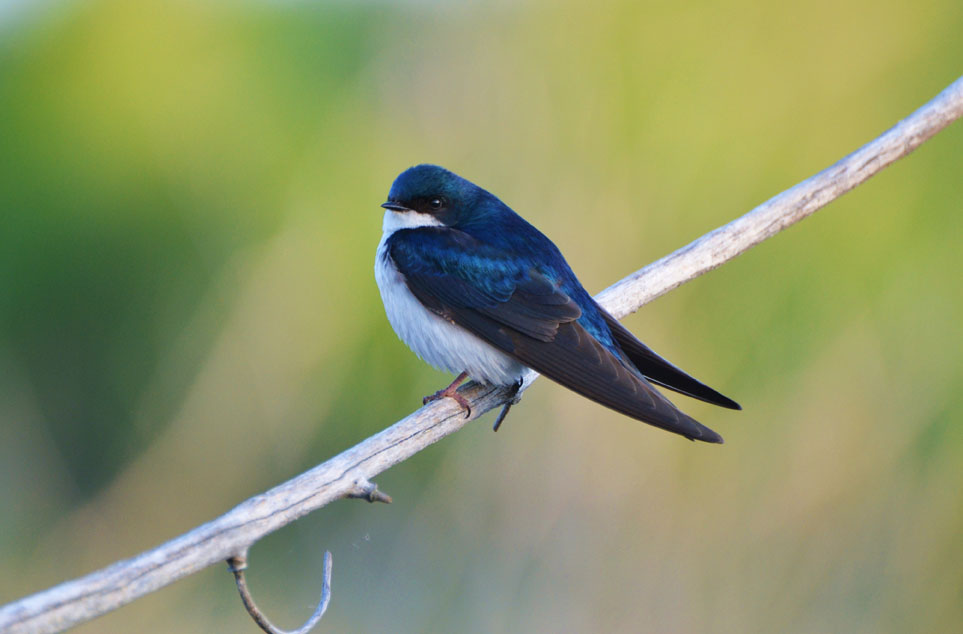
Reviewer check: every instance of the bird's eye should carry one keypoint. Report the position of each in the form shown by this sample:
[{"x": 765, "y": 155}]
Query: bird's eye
[{"x": 436, "y": 204}]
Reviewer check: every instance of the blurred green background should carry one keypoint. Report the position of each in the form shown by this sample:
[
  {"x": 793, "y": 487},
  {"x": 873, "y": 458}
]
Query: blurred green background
[{"x": 189, "y": 199}]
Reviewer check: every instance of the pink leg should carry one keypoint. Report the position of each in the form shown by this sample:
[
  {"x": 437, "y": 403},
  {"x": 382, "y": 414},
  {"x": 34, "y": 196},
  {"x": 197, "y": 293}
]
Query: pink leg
[{"x": 451, "y": 392}]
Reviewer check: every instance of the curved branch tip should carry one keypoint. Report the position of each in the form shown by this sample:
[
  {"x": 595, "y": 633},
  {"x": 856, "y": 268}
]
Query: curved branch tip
[{"x": 238, "y": 564}]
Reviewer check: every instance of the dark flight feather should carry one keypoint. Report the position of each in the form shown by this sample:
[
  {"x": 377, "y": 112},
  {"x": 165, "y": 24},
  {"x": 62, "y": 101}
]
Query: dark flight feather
[
  {"x": 658, "y": 370},
  {"x": 525, "y": 315},
  {"x": 579, "y": 362}
]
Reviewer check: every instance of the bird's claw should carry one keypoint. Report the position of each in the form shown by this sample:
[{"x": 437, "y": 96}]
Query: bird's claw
[
  {"x": 451, "y": 392},
  {"x": 458, "y": 398}
]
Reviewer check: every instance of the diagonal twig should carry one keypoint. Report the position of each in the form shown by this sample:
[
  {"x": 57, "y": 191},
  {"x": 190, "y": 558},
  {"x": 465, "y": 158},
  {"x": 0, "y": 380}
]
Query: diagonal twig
[{"x": 347, "y": 474}]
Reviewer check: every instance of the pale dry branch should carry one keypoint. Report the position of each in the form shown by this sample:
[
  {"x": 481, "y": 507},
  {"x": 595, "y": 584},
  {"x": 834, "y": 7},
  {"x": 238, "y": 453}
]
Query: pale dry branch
[{"x": 348, "y": 473}]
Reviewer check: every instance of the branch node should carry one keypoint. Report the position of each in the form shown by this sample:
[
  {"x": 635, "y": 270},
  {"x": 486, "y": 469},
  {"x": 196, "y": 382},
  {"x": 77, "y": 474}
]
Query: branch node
[
  {"x": 367, "y": 490},
  {"x": 238, "y": 564}
]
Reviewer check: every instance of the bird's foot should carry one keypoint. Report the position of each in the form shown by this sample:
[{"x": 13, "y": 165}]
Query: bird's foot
[{"x": 451, "y": 392}]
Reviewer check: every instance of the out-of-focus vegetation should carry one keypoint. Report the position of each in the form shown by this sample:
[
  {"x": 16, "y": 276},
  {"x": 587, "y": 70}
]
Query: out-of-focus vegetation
[{"x": 188, "y": 214}]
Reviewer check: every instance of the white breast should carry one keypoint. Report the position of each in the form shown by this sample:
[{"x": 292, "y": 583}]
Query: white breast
[{"x": 435, "y": 339}]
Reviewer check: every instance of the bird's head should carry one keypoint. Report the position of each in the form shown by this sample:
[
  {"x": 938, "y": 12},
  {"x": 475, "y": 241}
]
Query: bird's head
[{"x": 431, "y": 195}]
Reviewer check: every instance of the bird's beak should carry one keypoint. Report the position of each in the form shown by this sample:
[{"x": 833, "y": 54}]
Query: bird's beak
[{"x": 394, "y": 206}]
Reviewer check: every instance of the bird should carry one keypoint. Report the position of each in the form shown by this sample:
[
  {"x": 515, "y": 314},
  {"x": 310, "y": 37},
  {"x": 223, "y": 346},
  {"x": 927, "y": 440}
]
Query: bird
[{"x": 475, "y": 290}]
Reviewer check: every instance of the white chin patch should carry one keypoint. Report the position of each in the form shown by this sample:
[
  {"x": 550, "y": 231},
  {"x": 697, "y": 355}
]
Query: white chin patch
[{"x": 395, "y": 220}]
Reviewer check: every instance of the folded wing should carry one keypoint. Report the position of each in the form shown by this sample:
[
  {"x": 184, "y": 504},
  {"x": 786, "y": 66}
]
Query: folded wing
[{"x": 521, "y": 312}]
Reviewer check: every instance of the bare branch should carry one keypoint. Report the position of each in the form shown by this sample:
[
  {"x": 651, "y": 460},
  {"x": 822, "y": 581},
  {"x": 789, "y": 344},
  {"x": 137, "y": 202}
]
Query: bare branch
[
  {"x": 348, "y": 473},
  {"x": 238, "y": 564},
  {"x": 779, "y": 212}
]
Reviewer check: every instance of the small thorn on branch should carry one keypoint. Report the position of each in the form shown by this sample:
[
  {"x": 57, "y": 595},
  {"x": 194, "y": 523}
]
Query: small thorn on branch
[
  {"x": 238, "y": 564},
  {"x": 366, "y": 490}
]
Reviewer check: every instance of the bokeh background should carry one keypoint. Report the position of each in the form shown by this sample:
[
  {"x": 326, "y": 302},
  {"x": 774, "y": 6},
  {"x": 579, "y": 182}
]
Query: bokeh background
[{"x": 188, "y": 215}]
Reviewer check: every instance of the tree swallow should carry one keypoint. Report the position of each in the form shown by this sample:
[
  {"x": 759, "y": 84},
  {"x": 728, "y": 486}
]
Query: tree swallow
[{"x": 473, "y": 289}]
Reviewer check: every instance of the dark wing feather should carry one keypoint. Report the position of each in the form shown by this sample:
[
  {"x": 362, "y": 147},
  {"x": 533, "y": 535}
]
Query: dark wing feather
[
  {"x": 534, "y": 309},
  {"x": 661, "y": 372},
  {"x": 576, "y": 360},
  {"x": 525, "y": 315}
]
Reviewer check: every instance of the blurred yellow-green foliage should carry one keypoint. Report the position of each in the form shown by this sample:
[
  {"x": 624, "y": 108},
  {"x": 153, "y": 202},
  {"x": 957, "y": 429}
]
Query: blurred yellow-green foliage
[{"x": 188, "y": 215}]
